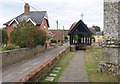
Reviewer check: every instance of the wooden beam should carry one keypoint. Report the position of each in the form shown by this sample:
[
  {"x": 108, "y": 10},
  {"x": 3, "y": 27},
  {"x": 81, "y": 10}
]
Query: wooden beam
[{"x": 83, "y": 39}]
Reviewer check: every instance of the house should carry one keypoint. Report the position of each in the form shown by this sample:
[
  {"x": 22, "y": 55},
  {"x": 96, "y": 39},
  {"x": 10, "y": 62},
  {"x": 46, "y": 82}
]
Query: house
[
  {"x": 80, "y": 35},
  {"x": 58, "y": 34},
  {"x": 98, "y": 37},
  {"x": 37, "y": 18},
  {"x": 92, "y": 30}
]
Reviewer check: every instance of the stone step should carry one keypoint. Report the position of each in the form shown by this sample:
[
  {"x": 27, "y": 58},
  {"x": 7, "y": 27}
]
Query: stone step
[
  {"x": 53, "y": 74},
  {"x": 56, "y": 71},
  {"x": 50, "y": 78},
  {"x": 58, "y": 68}
]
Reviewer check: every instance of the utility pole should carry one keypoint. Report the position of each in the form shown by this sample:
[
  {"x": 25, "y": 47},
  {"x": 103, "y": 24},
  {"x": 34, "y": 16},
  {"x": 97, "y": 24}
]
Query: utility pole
[
  {"x": 63, "y": 33},
  {"x": 57, "y": 31},
  {"x": 57, "y": 24}
]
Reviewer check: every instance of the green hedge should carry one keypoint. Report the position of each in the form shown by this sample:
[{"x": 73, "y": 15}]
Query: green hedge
[{"x": 53, "y": 41}]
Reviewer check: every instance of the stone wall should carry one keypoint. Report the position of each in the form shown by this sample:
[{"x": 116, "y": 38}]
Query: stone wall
[
  {"x": 111, "y": 50},
  {"x": 44, "y": 69},
  {"x": 112, "y": 29},
  {"x": 13, "y": 56},
  {"x": 111, "y": 55},
  {"x": 111, "y": 19}
]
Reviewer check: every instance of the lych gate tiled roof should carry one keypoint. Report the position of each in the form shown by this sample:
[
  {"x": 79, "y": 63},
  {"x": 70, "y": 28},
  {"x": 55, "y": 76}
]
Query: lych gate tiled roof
[
  {"x": 36, "y": 16},
  {"x": 79, "y": 24},
  {"x": 73, "y": 25}
]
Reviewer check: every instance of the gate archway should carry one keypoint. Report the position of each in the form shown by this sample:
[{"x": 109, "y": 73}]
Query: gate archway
[{"x": 80, "y": 35}]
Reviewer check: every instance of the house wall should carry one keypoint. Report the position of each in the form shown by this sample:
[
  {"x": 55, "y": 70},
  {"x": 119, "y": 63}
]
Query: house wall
[
  {"x": 58, "y": 34},
  {"x": 44, "y": 23},
  {"x": 98, "y": 38},
  {"x": 13, "y": 56},
  {"x": 9, "y": 30}
]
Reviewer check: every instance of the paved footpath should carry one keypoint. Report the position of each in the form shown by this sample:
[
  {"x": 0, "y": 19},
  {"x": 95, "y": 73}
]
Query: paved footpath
[
  {"x": 75, "y": 71},
  {"x": 16, "y": 71}
]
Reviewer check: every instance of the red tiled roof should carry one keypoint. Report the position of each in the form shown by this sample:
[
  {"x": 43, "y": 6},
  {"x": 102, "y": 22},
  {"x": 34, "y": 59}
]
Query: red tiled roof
[{"x": 58, "y": 34}]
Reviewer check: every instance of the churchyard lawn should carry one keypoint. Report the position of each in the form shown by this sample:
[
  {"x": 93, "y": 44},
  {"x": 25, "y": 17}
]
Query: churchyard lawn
[{"x": 92, "y": 58}]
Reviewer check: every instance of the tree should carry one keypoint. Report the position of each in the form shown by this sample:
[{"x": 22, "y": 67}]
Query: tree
[
  {"x": 103, "y": 33},
  {"x": 27, "y": 35},
  {"x": 97, "y": 28},
  {"x": 53, "y": 41},
  {"x": 66, "y": 38},
  {"x": 40, "y": 37},
  {"x": 3, "y": 36},
  {"x": 93, "y": 38}
]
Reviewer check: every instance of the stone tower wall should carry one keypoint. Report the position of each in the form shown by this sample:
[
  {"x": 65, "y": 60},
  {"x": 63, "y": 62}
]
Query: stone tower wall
[{"x": 111, "y": 19}]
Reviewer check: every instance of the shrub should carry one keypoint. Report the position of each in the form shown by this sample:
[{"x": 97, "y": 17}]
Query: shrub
[
  {"x": 9, "y": 47},
  {"x": 62, "y": 41},
  {"x": 3, "y": 36},
  {"x": 66, "y": 38},
  {"x": 93, "y": 38},
  {"x": 53, "y": 41},
  {"x": 27, "y": 35},
  {"x": 59, "y": 41},
  {"x": 40, "y": 37}
]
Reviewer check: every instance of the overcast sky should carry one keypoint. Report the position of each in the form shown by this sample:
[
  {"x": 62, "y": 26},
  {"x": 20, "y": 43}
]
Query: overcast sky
[{"x": 65, "y": 11}]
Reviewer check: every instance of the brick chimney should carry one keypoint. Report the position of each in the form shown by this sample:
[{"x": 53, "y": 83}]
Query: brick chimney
[{"x": 26, "y": 9}]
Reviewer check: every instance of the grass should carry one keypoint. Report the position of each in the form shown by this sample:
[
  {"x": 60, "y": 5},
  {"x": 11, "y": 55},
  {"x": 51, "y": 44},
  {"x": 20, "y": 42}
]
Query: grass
[
  {"x": 64, "y": 61},
  {"x": 91, "y": 67},
  {"x": 5, "y": 47}
]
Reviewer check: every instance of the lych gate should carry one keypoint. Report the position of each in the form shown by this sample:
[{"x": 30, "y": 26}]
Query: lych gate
[{"x": 80, "y": 35}]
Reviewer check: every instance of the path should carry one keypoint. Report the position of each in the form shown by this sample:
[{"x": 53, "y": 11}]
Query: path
[
  {"x": 75, "y": 71},
  {"x": 16, "y": 71}
]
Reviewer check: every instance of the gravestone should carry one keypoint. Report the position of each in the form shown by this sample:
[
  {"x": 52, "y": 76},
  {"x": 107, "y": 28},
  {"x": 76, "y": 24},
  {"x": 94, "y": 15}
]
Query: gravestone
[{"x": 111, "y": 48}]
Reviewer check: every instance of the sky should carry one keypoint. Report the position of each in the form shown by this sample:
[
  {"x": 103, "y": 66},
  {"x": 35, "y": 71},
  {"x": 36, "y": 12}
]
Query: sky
[{"x": 65, "y": 11}]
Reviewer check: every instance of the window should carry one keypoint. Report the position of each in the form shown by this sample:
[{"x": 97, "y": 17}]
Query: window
[
  {"x": 14, "y": 25},
  {"x": 44, "y": 27}
]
